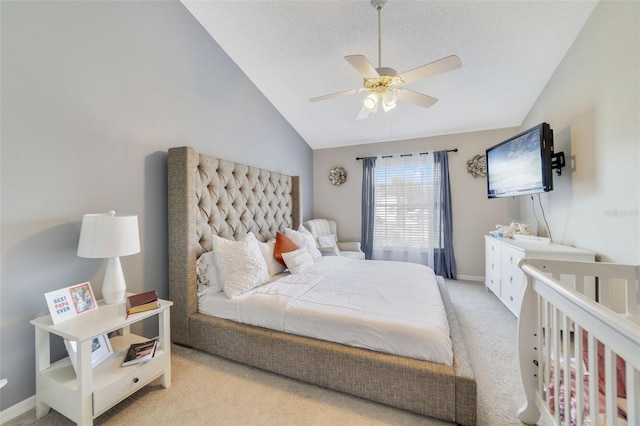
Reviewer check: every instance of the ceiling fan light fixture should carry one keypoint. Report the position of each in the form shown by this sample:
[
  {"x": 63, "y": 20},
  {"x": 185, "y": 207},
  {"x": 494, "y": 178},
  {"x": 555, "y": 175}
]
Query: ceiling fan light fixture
[
  {"x": 371, "y": 102},
  {"x": 389, "y": 100}
]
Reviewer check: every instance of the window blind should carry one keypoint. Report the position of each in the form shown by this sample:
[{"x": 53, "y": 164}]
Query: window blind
[{"x": 406, "y": 200}]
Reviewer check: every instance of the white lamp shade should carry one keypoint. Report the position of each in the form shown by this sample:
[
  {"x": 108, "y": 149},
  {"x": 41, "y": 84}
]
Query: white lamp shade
[{"x": 105, "y": 235}]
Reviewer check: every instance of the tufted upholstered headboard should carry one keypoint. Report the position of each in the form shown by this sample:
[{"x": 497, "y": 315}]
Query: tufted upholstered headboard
[{"x": 207, "y": 196}]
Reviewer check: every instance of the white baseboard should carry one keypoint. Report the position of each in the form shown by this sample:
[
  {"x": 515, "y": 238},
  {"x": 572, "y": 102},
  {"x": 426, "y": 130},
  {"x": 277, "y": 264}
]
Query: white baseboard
[
  {"x": 17, "y": 410},
  {"x": 470, "y": 278}
]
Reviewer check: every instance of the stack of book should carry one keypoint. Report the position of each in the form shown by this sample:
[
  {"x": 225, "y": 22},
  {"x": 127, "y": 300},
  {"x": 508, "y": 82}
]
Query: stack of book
[
  {"x": 140, "y": 352},
  {"x": 142, "y": 302}
]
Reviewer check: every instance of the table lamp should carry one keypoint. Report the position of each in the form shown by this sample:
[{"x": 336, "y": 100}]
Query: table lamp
[{"x": 110, "y": 235}]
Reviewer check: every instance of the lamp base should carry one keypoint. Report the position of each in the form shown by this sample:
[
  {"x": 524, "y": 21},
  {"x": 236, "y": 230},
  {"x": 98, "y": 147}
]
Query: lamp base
[{"x": 113, "y": 286}]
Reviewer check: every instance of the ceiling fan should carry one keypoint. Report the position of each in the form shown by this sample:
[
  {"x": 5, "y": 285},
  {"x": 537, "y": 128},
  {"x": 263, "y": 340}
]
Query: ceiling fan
[{"x": 385, "y": 84}]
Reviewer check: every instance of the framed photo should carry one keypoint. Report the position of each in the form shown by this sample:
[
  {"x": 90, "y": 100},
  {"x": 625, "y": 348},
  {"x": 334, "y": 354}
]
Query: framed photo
[
  {"x": 70, "y": 302},
  {"x": 100, "y": 350}
]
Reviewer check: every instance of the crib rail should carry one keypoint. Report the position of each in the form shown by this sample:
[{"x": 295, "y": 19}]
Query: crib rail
[{"x": 579, "y": 343}]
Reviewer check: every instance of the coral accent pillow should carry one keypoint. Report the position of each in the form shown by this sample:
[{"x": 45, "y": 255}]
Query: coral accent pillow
[
  {"x": 268, "y": 249},
  {"x": 283, "y": 245}
]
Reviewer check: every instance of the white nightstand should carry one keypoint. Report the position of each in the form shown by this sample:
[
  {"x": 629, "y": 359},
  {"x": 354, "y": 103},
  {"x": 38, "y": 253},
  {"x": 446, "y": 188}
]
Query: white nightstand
[{"x": 84, "y": 397}]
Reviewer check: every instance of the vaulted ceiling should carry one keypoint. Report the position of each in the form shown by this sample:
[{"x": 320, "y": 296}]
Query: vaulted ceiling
[{"x": 294, "y": 50}]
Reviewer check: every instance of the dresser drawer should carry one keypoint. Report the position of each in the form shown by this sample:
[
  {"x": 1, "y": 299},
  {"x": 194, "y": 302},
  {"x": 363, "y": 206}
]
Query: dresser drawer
[
  {"x": 512, "y": 289},
  {"x": 136, "y": 377},
  {"x": 492, "y": 266},
  {"x": 512, "y": 279}
]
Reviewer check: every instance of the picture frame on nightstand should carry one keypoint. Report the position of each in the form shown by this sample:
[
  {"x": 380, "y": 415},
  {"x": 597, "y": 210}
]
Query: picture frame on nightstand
[
  {"x": 69, "y": 302},
  {"x": 100, "y": 350}
]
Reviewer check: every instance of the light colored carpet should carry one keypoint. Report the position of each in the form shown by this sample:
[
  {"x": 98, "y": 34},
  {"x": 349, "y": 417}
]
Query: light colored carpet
[{"x": 208, "y": 390}]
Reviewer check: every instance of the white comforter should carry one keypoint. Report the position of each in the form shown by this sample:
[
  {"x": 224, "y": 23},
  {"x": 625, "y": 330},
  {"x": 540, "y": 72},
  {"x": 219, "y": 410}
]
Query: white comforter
[{"x": 391, "y": 307}]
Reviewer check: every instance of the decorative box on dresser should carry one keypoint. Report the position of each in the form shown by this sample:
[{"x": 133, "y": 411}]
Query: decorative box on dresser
[
  {"x": 503, "y": 276},
  {"x": 84, "y": 395}
]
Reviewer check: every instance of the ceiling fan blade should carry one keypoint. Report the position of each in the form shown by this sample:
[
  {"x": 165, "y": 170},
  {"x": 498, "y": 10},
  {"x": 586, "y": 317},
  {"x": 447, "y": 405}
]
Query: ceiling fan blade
[
  {"x": 363, "y": 113},
  {"x": 449, "y": 63},
  {"x": 362, "y": 65},
  {"x": 416, "y": 98},
  {"x": 335, "y": 95}
]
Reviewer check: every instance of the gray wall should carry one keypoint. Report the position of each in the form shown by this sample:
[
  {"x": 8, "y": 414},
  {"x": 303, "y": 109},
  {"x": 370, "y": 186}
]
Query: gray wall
[
  {"x": 473, "y": 214},
  {"x": 592, "y": 102},
  {"x": 93, "y": 94}
]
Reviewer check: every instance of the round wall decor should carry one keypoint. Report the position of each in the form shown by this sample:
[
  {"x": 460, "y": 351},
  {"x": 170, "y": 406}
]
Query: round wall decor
[
  {"x": 477, "y": 166},
  {"x": 338, "y": 176}
]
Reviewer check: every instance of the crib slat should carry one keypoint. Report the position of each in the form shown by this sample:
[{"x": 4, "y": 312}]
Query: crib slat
[
  {"x": 633, "y": 395},
  {"x": 564, "y": 335},
  {"x": 547, "y": 345},
  {"x": 632, "y": 304},
  {"x": 579, "y": 283},
  {"x": 554, "y": 335},
  {"x": 579, "y": 374},
  {"x": 593, "y": 379},
  {"x": 603, "y": 293},
  {"x": 610, "y": 386}
]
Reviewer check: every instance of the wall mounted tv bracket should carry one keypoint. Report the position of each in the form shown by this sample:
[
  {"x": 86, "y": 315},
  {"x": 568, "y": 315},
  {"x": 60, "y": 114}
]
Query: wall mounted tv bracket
[{"x": 557, "y": 162}]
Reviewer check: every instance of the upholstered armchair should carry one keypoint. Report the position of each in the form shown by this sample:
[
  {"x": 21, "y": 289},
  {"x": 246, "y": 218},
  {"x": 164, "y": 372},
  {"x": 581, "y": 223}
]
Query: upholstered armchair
[{"x": 326, "y": 235}]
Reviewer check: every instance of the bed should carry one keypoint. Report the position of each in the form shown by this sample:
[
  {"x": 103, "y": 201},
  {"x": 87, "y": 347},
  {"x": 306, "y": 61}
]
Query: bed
[
  {"x": 579, "y": 343},
  {"x": 209, "y": 196}
]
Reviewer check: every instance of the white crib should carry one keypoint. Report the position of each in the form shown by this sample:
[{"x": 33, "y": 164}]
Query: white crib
[{"x": 579, "y": 324}]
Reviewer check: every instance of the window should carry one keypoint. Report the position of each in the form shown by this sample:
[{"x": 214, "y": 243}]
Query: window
[{"x": 406, "y": 209}]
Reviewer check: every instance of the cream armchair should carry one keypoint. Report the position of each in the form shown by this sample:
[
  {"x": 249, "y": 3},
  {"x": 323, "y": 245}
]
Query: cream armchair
[{"x": 324, "y": 232}]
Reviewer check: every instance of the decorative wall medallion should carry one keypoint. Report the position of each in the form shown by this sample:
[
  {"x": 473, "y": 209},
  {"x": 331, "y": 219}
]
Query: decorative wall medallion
[
  {"x": 338, "y": 176},
  {"x": 477, "y": 166}
]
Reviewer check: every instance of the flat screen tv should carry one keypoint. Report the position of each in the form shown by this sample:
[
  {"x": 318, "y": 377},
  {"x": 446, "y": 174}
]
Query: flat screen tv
[{"x": 522, "y": 164}]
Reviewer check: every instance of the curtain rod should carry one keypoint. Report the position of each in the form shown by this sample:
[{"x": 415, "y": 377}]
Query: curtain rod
[{"x": 408, "y": 155}]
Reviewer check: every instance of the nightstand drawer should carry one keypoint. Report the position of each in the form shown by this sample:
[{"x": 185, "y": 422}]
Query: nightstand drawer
[{"x": 140, "y": 375}]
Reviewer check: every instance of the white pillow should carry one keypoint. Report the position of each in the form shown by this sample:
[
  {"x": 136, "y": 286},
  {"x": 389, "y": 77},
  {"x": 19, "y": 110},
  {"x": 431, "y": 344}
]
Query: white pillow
[
  {"x": 208, "y": 281},
  {"x": 267, "y": 250},
  {"x": 329, "y": 241},
  {"x": 304, "y": 238},
  {"x": 240, "y": 264},
  {"x": 297, "y": 260}
]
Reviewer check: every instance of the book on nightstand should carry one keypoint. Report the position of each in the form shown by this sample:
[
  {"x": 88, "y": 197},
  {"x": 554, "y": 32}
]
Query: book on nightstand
[
  {"x": 140, "y": 352},
  {"x": 142, "y": 302}
]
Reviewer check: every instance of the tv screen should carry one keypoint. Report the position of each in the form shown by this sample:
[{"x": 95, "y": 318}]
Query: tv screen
[{"x": 522, "y": 164}]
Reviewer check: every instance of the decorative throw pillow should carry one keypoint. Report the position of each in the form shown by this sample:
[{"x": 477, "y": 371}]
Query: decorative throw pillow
[
  {"x": 297, "y": 260},
  {"x": 304, "y": 238},
  {"x": 208, "y": 280},
  {"x": 329, "y": 242},
  {"x": 240, "y": 264},
  {"x": 268, "y": 251},
  {"x": 283, "y": 245}
]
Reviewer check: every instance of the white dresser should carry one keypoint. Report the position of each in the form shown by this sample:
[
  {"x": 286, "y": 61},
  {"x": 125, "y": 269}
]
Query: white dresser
[{"x": 502, "y": 274}]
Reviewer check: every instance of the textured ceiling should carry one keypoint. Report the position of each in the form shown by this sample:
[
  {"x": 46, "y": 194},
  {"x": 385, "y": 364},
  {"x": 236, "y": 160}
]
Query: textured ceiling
[{"x": 294, "y": 50}]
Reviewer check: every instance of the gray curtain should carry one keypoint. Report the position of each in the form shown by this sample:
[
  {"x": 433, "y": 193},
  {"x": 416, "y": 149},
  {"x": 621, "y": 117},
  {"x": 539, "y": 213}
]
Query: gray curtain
[
  {"x": 444, "y": 260},
  {"x": 368, "y": 205}
]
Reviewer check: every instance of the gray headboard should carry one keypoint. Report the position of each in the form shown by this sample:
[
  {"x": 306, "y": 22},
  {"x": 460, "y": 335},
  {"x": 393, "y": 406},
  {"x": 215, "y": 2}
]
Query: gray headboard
[{"x": 206, "y": 196}]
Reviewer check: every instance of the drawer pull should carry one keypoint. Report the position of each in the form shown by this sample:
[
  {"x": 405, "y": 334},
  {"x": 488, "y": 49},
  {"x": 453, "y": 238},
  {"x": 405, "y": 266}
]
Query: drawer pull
[{"x": 135, "y": 380}]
